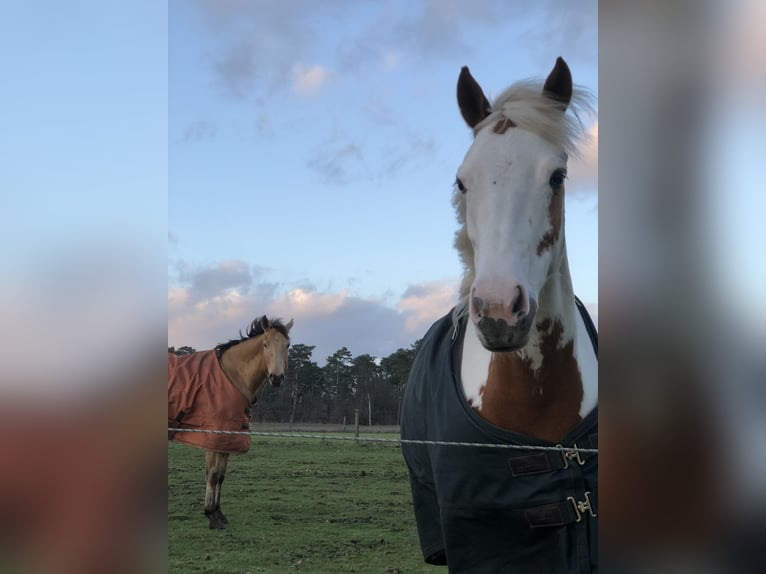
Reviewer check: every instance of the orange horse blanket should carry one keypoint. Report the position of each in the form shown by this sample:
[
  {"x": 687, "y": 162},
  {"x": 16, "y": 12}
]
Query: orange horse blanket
[{"x": 201, "y": 396}]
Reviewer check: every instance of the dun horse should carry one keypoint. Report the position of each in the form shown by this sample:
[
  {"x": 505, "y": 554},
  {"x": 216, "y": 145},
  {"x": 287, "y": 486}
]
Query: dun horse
[
  {"x": 515, "y": 362},
  {"x": 215, "y": 389}
]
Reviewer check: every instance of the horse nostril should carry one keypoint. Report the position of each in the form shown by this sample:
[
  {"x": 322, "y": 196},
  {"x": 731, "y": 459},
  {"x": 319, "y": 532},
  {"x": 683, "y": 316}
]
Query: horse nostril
[
  {"x": 516, "y": 306},
  {"x": 276, "y": 380},
  {"x": 519, "y": 305},
  {"x": 478, "y": 304}
]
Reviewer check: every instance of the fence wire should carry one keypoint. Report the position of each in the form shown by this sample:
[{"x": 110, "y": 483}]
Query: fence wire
[{"x": 398, "y": 441}]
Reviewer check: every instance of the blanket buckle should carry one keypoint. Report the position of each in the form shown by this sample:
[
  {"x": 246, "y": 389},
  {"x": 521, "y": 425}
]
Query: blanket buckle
[
  {"x": 570, "y": 455},
  {"x": 582, "y": 506}
]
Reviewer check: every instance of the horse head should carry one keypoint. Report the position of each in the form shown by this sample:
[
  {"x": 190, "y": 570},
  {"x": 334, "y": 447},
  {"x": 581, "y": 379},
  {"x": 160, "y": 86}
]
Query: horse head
[
  {"x": 276, "y": 342},
  {"x": 509, "y": 196}
]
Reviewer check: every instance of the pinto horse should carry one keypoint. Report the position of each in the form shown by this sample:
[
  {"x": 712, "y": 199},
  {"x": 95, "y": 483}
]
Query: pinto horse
[
  {"x": 515, "y": 362},
  {"x": 215, "y": 389}
]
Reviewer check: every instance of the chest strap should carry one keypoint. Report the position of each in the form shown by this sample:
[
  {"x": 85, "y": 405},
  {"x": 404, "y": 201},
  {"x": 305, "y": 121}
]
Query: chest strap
[
  {"x": 569, "y": 511},
  {"x": 549, "y": 461}
]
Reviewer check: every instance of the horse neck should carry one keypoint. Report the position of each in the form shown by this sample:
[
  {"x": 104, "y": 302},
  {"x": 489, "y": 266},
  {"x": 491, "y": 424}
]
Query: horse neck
[
  {"x": 538, "y": 390},
  {"x": 556, "y": 304},
  {"x": 245, "y": 366}
]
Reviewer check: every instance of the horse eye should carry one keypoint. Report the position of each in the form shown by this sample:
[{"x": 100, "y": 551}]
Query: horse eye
[
  {"x": 265, "y": 345},
  {"x": 459, "y": 185},
  {"x": 558, "y": 177}
]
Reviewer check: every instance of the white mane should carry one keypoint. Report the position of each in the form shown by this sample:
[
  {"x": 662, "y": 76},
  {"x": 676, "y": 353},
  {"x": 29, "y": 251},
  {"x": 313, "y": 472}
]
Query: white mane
[{"x": 525, "y": 105}]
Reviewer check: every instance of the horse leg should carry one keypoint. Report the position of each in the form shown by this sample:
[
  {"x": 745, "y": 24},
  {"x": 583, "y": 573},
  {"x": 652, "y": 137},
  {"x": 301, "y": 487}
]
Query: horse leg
[
  {"x": 223, "y": 462},
  {"x": 213, "y": 478}
]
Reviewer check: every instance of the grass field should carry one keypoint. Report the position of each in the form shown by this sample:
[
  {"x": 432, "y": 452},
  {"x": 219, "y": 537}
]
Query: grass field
[{"x": 296, "y": 505}]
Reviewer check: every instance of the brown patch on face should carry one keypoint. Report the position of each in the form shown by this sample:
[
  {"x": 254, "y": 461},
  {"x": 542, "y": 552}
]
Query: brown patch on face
[
  {"x": 543, "y": 403},
  {"x": 555, "y": 217},
  {"x": 502, "y": 126}
]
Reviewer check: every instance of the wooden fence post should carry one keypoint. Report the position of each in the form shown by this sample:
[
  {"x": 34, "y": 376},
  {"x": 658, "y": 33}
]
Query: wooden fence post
[{"x": 356, "y": 423}]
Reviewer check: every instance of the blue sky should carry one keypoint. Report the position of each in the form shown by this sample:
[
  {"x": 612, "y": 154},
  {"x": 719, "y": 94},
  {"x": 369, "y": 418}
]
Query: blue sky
[
  {"x": 83, "y": 188},
  {"x": 85, "y": 123},
  {"x": 312, "y": 150}
]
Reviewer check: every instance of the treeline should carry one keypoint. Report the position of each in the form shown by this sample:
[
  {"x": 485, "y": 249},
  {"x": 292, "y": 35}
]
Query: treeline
[{"x": 332, "y": 393}]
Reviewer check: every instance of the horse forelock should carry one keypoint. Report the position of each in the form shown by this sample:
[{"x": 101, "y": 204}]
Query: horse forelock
[
  {"x": 523, "y": 106},
  {"x": 254, "y": 330},
  {"x": 257, "y": 329}
]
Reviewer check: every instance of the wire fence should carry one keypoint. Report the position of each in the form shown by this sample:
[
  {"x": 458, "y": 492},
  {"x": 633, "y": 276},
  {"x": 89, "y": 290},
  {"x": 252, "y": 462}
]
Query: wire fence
[{"x": 397, "y": 441}]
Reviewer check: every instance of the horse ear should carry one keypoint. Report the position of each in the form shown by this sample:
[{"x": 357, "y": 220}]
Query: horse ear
[
  {"x": 558, "y": 84},
  {"x": 264, "y": 323},
  {"x": 474, "y": 106},
  {"x": 289, "y": 325}
]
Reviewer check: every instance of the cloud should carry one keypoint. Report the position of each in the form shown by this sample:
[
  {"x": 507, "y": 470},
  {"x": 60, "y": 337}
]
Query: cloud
[
  {"x": 267, "y": 52},
  {"x": 439, "y": 29},
  {"x": 257, "y": 44},
  {"x": 236, "y": 69},
  {"x": 309, "y": 81},
  {"x": 570, "y": 30},
  {"x": 206, "y": 283},
  {"x": 334, "y": 320},
  {"x": 266, "y": 40},
  {"x": 309, "y": 304},
  {"x": 391, "y": 59},
  {"x": 378, "y": 110},
  {"x": 583, "y": 171},
  {"x": 200, "y": 130},
  {"x": 412, "y": 151},
  {"x": 425, "y": 302},
  {"x": 263, "y": 126},
  {"x": 338, "y": 164},
  {"x": 342, "y": 161},
  {"x": 328, "y": 320}
]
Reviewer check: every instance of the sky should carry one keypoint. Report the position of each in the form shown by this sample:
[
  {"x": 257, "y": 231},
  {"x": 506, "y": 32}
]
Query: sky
[
  {"x": 228, "y": 159},
  {"x": 83, "y": 190},
  {"x": 312, "y": 149}
]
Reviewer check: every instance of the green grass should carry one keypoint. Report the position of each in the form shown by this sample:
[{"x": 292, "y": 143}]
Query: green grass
[{"x": 296, "y": 505}]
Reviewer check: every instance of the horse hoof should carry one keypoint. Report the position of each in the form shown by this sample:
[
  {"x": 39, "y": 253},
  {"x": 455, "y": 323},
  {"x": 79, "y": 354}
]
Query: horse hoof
[{"x": 217, "y": 520}]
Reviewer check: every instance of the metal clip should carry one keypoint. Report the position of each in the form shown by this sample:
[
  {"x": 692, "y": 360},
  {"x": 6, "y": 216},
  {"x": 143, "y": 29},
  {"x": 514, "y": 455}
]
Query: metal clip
[
  {"x": 581, "y": 507},
  {"x": 570, "y": 454}
]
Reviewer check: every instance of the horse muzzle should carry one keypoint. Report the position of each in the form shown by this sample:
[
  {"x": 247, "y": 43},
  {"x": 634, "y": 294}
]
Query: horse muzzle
[
  {"x": 276, "y": 380},
  {"x": 497, "y": 335}
]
